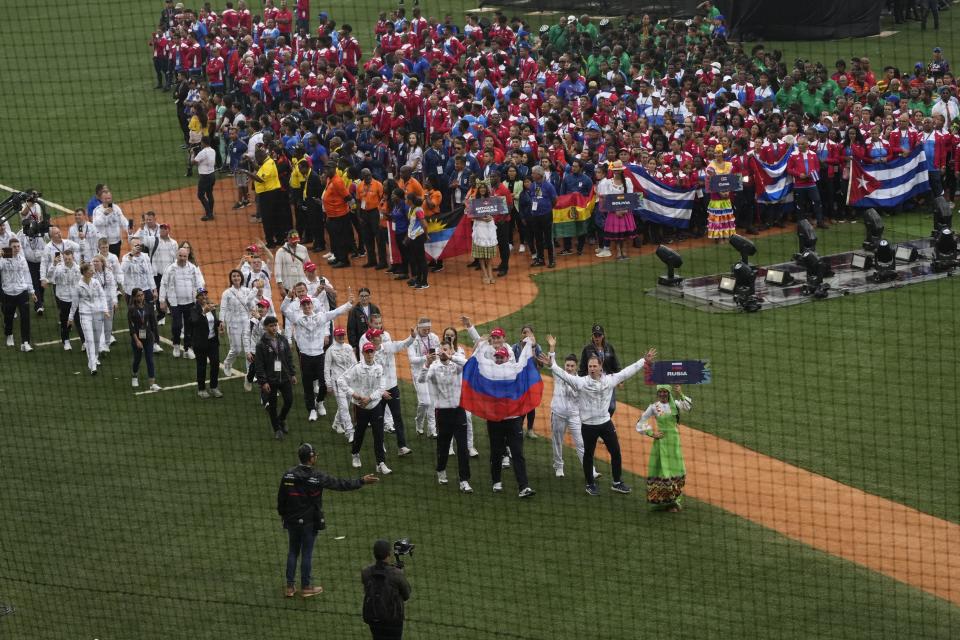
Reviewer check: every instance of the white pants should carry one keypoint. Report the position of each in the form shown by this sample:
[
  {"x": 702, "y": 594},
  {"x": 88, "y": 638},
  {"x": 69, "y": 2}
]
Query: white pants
[
  {"x": 559, "y": 425},
  {"x": 93, "y": 327},
  {"x": 235, "y": 335},
  {"x": 426, "y": 419},
  {"x": 343, "y": 411},
  {"x": 469, "y": 430}
]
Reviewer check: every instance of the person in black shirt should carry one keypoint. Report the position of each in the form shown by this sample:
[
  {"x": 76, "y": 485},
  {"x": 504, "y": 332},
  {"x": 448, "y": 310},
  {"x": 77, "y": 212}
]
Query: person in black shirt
[
  {"x": 273, "y": 363},
  {"x": 385, "y": 590},
  {"x": 300, "y": 505},
  {"x": 142, "y": 319},
  {"x": 599, "y": 348}
]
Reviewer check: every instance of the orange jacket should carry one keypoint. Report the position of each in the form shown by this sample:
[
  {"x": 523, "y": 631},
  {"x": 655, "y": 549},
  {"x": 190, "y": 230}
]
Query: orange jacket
[
  {"x": 335, "y": 197},
  {"x": 369, "y": 195}
]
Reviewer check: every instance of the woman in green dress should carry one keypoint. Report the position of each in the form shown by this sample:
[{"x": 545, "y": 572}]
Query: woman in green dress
[{"x": 666, "y": 473}]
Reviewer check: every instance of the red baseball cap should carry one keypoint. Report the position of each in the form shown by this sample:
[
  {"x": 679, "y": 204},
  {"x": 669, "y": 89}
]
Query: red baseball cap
[
  {"x": 309, "y": 266},
  {"x": 339, "y": 331},
  {"x": 369, "y": 347},
  {"x": 306, "y": 300},
  {"x": 502, "y": 352},
  {"x": 373, "y": 333},
  {"x": 253, "y": 249},
  {"x": 497, "y": 333},
  {"x": 263, "y": 303},
  {"x": 164, "y": 225}
]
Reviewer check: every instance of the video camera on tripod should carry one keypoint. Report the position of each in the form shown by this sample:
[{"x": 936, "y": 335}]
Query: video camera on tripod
[
  {"x": 402, "y": 547},
  {"x": 31, "y": 226}
]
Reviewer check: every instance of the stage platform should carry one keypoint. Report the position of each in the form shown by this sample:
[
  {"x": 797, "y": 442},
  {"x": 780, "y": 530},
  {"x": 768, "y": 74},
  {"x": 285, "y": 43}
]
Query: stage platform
[{"x": 704, "y": 292}]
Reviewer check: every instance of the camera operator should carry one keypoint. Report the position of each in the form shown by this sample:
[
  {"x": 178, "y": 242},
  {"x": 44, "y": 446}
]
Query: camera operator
[
  {"x": 300, "y": 504},
  {"x": 17, "y": 293},
  {"x": 110, "y": 223},
  {"x": 385, "y": 590}
]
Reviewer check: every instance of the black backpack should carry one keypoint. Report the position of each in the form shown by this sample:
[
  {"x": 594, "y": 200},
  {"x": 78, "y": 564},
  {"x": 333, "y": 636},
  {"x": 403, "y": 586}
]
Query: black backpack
[{"x": 381, "y": 599}]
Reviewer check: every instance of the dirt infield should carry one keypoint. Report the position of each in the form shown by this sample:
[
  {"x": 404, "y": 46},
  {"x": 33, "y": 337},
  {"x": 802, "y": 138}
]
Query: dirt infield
[{"x": 884, "y": 536}]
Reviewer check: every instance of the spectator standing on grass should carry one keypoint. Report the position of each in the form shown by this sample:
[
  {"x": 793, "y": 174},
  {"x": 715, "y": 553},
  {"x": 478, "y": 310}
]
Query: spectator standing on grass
[
  {"x": 110, "y": 223},
  {"x": 92, "y": 304},
  {"x": 236, "y": 302},
  {"x": 109, "y": 285},
  {"x": 290, "y": 258},
  {"x": 84, "y": 234},
  {"x": 594, "y": 393},
  {"x": 565, "y": 416},
  {"x": 137, "y": 272},
  {"x": 300, "y": 506},
  {"x": 386, "y": 356},
  {"x": 18, "y": 292},
  {"x": 424, "y": 343},
  {"x": 206, "y": 329},
  {"x": 163, "y": 255},
  {"x": 600, "y": 348},
  {"x": 142, "y": 321},
  {"x": 64, "y": 273},
  {"x": 666, "y": 473},
  {"x": 178, "y": 290},
  {"x": 363, "y": 384},
  {"x": 337, "y": 359}
]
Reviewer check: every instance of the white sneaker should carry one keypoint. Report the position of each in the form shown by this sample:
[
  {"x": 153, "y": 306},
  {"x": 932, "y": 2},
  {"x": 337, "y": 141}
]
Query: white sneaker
[
  {"x": 227, "y": 371},
  {"x": 327, "y": 256},
  {"x": 497, "y": 487},
  {"x": 356, "y": 461},
  {"x": 162, "y": 321},
  {"x": 155, "y": 387},
  {"x": 337, "y": 427},
  {"x": 66, "y": 346},
  {"x": 419, "y": 431},
  {"x": 191, "y": 355},
  {"x": 596, "y": 474},
  {"x": 83, "y": 347},
  {"x": 604, "y": 253},
  {"x": 104, "y": 349},
  {"x": 313, "y": 416},
  {"x": 135, "y": 383},
  {"x": 384, "y": 469},
  {"x": 404, "y": 451},
  {"x": 389, "y": 428},
  {"x": 10, "y": 341},
  {"x": 203, "y": 395},
  {"x": 321, "y": 410},
  {"x": 216, "y": 393},
  {"x": 157, "y": 348},
  {"x": 474, "y": 453},
  {"x": 247, "y": 385},
  {"x": 465, "y": 487},
  {"x": 522, "y": 249},
  {"x": 505, "y": 463},
  {"x": 559, "y": 472},
  {"x": 113, "y": 338},
  {"x": 26, "y": 347},
  {"x": 442, "y": 477},
  {"x": 176, "y": 351},
  {"x": 526, "y": 492}
]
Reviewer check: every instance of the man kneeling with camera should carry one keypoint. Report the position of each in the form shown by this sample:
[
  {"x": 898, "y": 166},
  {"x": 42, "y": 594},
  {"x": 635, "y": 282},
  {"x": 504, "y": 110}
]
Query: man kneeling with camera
[{"x": 385, "y": 589}]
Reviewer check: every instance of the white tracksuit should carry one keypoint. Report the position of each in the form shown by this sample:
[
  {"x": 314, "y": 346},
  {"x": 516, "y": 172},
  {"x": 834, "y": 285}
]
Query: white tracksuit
[
  {"x": 364, "y": 380},
  {"x": 235, "y": 306},
  {"x": 565, "y": 414},
  {"x": 338, "y": 359},
  {"x": 417, "y": 355},
  {"x": 92, "y": 303},
  {"x": 387, "y": 416}
]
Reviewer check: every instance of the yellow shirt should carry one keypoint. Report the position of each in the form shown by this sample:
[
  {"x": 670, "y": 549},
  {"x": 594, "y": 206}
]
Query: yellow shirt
[
  {"x": 296, "y": 178},
  {"x": 268, "y": 173}
]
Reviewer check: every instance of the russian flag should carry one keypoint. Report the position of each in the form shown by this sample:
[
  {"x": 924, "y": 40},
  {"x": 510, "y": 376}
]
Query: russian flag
[
  {"x": 889, "y": 183},
  {"x": 499, "y": 391},
  {"x": 772, "y": 182},
  {"x": 661, "y": 203}
]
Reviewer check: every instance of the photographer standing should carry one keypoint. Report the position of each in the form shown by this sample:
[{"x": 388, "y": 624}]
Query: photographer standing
[
  {"x": 385, "y": 590},
  {"x": 17, "y": 292},
  {"x": 300, "y": 504},
  {"x": 109, "y": 222}
]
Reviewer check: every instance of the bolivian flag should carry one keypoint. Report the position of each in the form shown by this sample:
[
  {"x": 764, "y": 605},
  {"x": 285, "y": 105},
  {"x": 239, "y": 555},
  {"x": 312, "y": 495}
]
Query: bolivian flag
[{"x": 571, "y": 214}]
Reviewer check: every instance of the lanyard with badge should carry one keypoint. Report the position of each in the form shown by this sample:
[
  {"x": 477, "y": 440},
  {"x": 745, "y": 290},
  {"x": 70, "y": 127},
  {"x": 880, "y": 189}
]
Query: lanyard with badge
[
  {"x": 142, "y": 332},
  {"x": 537, "y": 194}
]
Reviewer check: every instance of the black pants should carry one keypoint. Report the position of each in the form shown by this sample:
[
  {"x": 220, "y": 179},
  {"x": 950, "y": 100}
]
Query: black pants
[
  {"x": 382, "y": 247},
  {"x": 372, "y": 419},
  {"x": 744, "y": 209},
  {"x": 504, "y": 233},
  {"x": 64, "y": 308},
  {"x": 568, "y": 243},
  {"x": 179, "y": 313},
  {"x": 530, "y": 419},
  {"x": 210, "y": 354},
  {"x": 205, "y": 192},
  {"x": 34, "y": 268},
  {"x": 452, "y": 424},
  {"x": 270, "y": 205},
  {"x": 283, "y": 389},
  {"x": 928, "y": 8},
  {"x": 369, "y": 225},
  {"x": 311, "y": 368},
  {"x": 160, "y": 314},
  {"x": 394, "y": 405},
  {"x": 114, "y": 248},
  {"x": 387, "y": 631},
  {"x": 418, "y": 259},
  {"x": 356, "y": 242},
  {"x": 341, "y": 238},
  {"x": 541, "y": 236},
  {"x": 503, "y": 434},
  {"x": 159, "y": 64},
  {"x": 608, "y": 433},
  {"x": 11, "y": 305}
]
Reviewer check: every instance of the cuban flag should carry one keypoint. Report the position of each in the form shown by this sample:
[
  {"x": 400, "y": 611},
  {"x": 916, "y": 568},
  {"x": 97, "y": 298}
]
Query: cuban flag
[
  {"x": 771, "y": 181},
  {"x": 500, "y": 391},
  {"x": 661, "y": 203},
  {"x": 889, "y": 183}
]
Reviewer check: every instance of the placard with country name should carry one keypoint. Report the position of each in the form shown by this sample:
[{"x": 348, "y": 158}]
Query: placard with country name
[
  {"x": 725, "y": 183},
  {"x": 482, "y": 207},
  {"x": 620, "y": 202},
  {"x": 678, "y": 372}
]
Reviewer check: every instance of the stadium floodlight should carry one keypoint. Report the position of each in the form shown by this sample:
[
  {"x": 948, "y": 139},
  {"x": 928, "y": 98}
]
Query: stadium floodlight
[
  {"x": 744, "y": 290},
  {"x": 806, "y": 238},
  {"x": 885, "y": 261},
  {"x": 744, "y": 247},
  {"x": 673, "y": 261},
  {"x": 942, "y": 215},
  {"x": 945, "y": 251},
  {"x": 817, "y": 270},
  {"x": 874, "y": 229}
]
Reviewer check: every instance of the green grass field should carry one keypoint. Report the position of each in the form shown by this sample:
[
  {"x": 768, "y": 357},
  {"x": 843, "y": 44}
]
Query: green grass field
[{"x": 153, "y": 516}]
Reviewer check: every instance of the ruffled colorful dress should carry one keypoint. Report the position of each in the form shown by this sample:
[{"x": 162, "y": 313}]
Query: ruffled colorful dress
[
  {"x": 666, "y": 472},
  {"x": 721, "y": 222}
]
